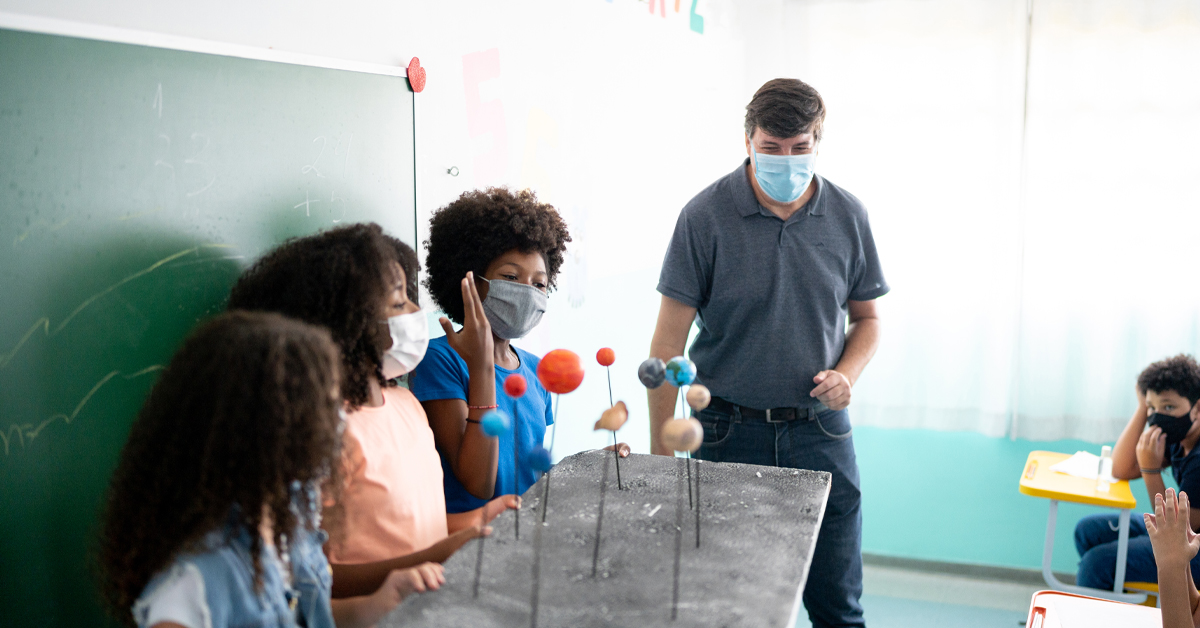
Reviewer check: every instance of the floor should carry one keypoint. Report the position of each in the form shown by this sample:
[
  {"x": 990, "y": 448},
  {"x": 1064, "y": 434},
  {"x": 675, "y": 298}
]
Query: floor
[{"x": 898, "y": 598}]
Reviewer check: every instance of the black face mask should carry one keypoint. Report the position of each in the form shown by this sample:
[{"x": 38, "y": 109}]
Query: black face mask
[{"x": 1175, "y": 427}]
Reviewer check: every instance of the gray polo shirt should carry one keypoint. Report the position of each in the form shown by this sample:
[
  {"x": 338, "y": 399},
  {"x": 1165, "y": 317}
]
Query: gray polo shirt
[{"x": 771, "y": 295}]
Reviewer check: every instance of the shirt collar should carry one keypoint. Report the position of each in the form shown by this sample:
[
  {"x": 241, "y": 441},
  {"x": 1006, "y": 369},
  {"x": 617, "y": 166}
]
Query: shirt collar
[{"x": 747, "y": 204}]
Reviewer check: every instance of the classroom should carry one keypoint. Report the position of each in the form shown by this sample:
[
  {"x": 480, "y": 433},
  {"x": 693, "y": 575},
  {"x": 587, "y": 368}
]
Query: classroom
[{"x": 849, "y": 312}]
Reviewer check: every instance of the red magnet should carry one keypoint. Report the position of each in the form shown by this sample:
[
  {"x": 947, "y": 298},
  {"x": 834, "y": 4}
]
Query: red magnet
[
  {"x": 606, "y": 356},
  {"x": 515, "y": 386},
  {"x": 416, "y": 75},
  {"x": 560, "y": 371}
]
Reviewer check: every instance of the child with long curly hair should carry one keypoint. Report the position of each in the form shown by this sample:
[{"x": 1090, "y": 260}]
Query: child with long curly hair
[
  {"x": 493, "y": 258},
  {"x": 212, "y": 515},
  {"x": 360, "y": 284}
]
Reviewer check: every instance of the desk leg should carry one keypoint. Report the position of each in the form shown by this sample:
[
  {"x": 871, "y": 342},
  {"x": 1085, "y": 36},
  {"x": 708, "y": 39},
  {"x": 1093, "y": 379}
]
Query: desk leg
[
  {"x": 1122, "y": 550},
  {"x": 1117, "y": 593}
]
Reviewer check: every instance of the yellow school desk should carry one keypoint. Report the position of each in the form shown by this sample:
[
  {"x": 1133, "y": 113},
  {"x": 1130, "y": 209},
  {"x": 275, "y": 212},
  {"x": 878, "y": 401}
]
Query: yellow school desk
[
  {"x": 1053, "y": 609},
  {"x": 1039, "y": 481}
]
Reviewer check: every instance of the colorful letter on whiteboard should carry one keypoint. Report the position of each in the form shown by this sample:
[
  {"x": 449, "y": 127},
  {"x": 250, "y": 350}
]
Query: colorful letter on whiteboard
[
  {"x": 485, "y": 117},
  {"x": 696, "y": 19}
]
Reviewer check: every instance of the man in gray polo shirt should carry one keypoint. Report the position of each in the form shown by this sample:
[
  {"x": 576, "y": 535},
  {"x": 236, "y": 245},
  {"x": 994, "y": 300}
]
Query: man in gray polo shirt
[{"x": 778, "y": 268}]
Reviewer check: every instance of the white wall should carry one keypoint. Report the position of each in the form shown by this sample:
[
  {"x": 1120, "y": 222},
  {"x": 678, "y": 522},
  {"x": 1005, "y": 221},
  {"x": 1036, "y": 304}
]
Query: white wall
[{"x": 614, "y": 114}]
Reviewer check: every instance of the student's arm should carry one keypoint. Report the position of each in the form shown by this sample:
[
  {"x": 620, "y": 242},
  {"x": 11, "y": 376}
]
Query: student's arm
[
  {"x": 670, "y": 337},
  {"x": 1174, "y": 546},
  {"x": 456, "y": 521},
  {"x": 472, "y": 455},
  {"x": 1125, "y": 458},
  {"x": 1151, "y": 452},
  {"x": 862, "y": 339},
  {"x": 366, "y": 610},
  {"x": 351, "y": 579}
]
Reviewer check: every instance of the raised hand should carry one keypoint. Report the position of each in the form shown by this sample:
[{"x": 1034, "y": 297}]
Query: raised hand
[
  {"x": 474, "y": 341},
  {"x": 1170, "y": 530}
]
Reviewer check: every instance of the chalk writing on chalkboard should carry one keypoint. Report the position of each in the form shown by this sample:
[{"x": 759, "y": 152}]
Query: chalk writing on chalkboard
[
  {"x": 25, "y": 433},
  {"x": 44, "y": 322}
]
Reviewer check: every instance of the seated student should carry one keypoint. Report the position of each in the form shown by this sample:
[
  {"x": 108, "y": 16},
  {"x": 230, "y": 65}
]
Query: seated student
[
  {"x": 1175, "y": 546},
  {"x": 360, "y": 284},
  {"x": 212, "y": 516},
  {"x": 493, "y": 257},
  {"x": 1167, "y": 393}
]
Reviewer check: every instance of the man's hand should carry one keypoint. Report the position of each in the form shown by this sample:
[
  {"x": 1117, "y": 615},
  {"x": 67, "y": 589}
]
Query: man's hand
[
  {"x": 1151, "y": 448},
  {"x": 833, "y": 389},
  {"x": 474, "y": 341}
]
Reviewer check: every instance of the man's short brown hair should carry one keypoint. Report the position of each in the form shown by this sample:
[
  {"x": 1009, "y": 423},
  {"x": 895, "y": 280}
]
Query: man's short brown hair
[{"x": 786, "y": 108}]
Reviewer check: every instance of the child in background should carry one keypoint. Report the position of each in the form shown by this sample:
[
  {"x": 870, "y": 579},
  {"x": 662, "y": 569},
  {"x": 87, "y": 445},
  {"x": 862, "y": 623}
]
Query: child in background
[
  {"x": 1164, "y": 430},
  {"x": 1175, "y": 545},
  {"x": 493, "y": 258},
  {"x": 212, "y": 514},
  {"x": 360, "y": 284}
]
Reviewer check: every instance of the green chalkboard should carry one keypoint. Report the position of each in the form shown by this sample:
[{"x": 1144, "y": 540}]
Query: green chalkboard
[{"x": 135, "y": 184}]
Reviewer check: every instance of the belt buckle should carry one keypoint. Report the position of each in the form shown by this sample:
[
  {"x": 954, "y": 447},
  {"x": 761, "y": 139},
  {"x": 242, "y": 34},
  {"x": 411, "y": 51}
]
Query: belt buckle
[{"x": 770, "y": 420}]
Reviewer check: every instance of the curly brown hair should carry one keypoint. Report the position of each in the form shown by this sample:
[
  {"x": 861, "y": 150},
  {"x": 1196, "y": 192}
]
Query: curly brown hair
[
  {"x": 1180, "y": 373},
  {"x": 246, "y": 408},
  {"x": 480, "y": 226},
  {"x": 337, "y": 279}
]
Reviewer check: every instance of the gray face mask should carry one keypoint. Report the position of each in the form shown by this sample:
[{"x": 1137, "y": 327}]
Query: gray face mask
[{"x": 513, "y": 309}]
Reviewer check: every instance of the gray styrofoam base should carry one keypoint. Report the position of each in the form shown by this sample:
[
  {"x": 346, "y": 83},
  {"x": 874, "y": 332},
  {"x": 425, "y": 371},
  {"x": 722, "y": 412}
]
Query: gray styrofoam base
[{"x": 758, "y": 528}]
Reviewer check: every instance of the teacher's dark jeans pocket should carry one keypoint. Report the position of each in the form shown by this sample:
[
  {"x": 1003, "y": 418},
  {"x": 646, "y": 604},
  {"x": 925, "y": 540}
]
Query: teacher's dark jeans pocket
[
  {"x": 835, "y": 424},
  {"x": 718, "y": 427}
]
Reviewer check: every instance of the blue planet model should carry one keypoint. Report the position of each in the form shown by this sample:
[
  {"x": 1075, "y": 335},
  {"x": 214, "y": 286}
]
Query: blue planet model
[
  {"x": 495, "y": 423},
  {"x": 681, "y": 371}
]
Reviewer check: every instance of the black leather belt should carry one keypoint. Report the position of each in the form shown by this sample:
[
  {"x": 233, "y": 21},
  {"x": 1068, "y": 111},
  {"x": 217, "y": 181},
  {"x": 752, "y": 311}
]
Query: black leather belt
[{"x": 772, "y": 415}]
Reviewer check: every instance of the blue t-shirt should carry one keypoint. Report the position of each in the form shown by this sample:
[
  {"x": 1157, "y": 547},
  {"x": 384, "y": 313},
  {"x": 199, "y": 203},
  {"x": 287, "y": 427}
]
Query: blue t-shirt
[{"x": 443, "y": 375}]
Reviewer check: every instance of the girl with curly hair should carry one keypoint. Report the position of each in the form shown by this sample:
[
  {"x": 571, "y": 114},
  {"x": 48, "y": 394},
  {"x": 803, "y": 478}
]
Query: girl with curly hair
[
  {"x": 360, "y": 284},
  {"x": 212, "y": 514},
  {"x": 493, "y": 257}
]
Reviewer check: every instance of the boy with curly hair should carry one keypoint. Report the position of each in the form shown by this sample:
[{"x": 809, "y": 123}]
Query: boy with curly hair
[{"x": 1163, "y": 432}]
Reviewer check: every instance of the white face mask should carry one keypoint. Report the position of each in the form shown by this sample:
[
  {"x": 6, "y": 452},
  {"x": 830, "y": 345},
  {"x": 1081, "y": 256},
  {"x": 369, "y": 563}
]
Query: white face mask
[{"x": 410, "y": 339}]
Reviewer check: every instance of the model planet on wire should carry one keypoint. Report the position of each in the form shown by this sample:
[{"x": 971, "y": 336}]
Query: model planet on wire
[
  {"x": 681, "y": 371},
  {"x": 495, "y": 423},
  {"x": 698, "y": 397},
  {"x": 652, "y": 373},
  {"x": 539, "y": 459},
  {"x": 515, "y": 385},
  {"x": 683, "y": 434},
  {"x": 613, "y": 418},
  {"x": 606, "y": 356},
  {"x": 560, "y": 371}
]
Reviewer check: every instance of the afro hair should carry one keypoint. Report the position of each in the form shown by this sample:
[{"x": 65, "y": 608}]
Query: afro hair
[
  {"x": 1180, "y": 373},
  {"x": 468, "y": 234}
]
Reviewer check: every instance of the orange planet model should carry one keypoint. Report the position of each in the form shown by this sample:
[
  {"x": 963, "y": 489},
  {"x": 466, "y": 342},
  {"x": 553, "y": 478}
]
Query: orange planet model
[
  {"x": 560, "y": 371},
  {"x": 606, "y": 356}
]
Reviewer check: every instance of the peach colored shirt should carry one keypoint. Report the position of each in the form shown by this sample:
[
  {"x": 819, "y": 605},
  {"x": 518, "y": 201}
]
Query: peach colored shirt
[{"x": 393, "y": 498}]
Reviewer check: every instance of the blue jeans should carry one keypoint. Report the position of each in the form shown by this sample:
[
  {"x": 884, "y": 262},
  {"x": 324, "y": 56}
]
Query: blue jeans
[
  {"x": 834, "y": 585},
  {"x": 1096, "y": 542}
]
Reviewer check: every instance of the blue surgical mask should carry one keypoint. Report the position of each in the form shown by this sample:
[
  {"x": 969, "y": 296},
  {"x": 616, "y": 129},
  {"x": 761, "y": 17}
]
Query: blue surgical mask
[{"x": 783, "y": 177}]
